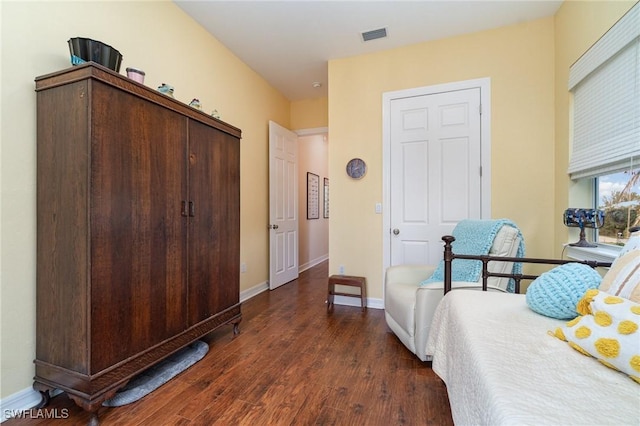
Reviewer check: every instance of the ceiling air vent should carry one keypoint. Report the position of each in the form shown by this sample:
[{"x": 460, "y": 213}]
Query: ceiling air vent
[{"x": 374, "y": 34}]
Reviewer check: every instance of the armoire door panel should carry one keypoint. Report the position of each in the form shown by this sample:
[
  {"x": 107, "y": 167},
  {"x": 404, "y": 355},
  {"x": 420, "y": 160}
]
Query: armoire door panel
[
  {"x": 139, "y": 236},
  {"x": 214, "y": 243}
]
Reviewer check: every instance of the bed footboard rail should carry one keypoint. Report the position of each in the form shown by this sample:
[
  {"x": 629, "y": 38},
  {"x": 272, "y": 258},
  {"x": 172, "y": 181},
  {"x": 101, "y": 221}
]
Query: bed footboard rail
[{"x": 449, "y": 256}]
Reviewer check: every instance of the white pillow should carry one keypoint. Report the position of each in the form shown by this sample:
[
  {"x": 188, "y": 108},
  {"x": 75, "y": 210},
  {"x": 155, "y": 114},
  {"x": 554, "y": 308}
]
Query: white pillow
[
  {"x": 623, "y": 279},
  {"x": 505, "y": 244}
]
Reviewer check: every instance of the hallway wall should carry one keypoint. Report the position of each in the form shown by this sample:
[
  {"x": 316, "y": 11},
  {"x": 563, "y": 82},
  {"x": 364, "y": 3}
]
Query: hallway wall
[{"x": 314, "y": 233}]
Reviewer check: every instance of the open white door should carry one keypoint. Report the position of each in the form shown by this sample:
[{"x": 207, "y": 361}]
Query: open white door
[{"x": 283, "y": 205}]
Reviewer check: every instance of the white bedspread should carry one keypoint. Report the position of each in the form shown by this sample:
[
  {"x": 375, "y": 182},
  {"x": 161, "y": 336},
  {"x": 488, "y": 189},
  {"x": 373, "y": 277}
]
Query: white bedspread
[{"x": 502, "y": 368}]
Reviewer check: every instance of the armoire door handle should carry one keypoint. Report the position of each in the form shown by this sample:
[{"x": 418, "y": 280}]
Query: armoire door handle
[{"x": 192, "y": 209}]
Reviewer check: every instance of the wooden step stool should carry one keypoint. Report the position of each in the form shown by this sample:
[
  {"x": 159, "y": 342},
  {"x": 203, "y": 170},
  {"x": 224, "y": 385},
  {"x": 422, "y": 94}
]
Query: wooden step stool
[{"x": 347, "y": 280}]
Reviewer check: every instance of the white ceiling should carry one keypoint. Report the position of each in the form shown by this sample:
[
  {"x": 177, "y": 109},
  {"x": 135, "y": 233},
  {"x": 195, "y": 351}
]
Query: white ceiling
[{"x": 290, "y": 42}]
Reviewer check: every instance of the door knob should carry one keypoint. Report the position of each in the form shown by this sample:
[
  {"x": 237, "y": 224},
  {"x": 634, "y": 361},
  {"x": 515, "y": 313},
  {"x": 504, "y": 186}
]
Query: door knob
[
  {"x": 272, "y": 227},
  {"x": 396, "y": 231}
]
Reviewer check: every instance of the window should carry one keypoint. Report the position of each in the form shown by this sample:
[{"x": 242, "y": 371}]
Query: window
[
  {"x": 619, "y": 196},
  {"x": 605, "y": 88}
]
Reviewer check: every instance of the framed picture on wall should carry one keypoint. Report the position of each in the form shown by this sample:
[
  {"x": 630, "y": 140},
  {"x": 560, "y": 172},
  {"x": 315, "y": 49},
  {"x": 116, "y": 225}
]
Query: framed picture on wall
[
  {"x": 326, "y": 198},
  {"x": 313, "y": 196}
]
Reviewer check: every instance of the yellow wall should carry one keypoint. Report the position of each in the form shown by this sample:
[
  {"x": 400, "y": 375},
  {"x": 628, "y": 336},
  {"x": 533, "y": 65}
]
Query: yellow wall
[
  {"x": 310, "y": 113},
  {"x": 161, "y": 39},
  {"x": 520, "y": 62},
  {"x": 578, "y": 24}
]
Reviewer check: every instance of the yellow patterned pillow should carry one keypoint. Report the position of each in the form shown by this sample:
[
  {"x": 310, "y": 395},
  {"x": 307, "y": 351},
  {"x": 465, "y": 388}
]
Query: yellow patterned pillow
[{"x": 608, "y": 331}]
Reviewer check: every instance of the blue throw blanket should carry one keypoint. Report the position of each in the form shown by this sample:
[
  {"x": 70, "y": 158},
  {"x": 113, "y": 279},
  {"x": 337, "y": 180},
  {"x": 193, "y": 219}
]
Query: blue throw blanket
[{"x": 475, "y": 237}]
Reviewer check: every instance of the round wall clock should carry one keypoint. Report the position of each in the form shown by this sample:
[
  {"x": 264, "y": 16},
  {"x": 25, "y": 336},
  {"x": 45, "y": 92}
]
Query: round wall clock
[{"x": 356, "y": 168}]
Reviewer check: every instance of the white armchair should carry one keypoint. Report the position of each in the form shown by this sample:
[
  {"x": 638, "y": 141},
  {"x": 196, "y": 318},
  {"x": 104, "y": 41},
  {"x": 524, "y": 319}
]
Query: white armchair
[{"x": 409, "y": 307}]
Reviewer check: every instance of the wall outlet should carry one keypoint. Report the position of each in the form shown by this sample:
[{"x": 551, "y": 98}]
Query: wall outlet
[
  {"x": 341, "y": 269},
  {"x": 243, "y": 268}
]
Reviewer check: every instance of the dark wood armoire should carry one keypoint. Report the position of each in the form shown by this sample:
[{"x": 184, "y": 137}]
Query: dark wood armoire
[{"x": 138, "y": 230}]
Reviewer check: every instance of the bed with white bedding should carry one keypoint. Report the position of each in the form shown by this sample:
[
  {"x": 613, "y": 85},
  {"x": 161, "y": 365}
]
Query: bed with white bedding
[{"x": 502, "y": 367}]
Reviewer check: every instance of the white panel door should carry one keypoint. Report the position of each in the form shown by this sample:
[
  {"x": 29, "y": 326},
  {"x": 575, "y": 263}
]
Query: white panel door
[
  {"x": 283, "y": 205},
  {"x": 434, "y": 171}
]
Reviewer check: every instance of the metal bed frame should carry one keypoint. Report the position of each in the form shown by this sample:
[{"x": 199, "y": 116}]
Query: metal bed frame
[{"x": 449, "y": 256}]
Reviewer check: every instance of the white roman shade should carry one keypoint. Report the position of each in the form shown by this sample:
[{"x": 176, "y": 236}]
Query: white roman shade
[{"x": 605, "y": 83}]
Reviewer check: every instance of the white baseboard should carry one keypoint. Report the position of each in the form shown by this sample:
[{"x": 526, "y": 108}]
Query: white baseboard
[
  {"x": 264, "y": 286},
  {"x": 310, "y": 264},
  {"x": 253, "y": 291},
  {"x": 21, "y": 401},
  {"x": 355, "y": 301}
]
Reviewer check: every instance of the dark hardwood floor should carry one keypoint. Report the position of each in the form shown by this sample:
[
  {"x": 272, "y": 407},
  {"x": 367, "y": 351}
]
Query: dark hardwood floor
[{"x": 291, "y": 364}]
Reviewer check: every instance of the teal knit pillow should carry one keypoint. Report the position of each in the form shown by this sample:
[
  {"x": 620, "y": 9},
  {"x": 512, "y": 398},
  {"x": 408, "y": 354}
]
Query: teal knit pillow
[{"x": 556, "y": 293}]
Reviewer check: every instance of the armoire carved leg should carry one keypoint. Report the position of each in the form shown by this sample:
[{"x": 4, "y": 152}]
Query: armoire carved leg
[
  {"x": 236, "y": 327},
  {"x": 44, "y": 393},
  {"x": 93, "y": 406}
]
